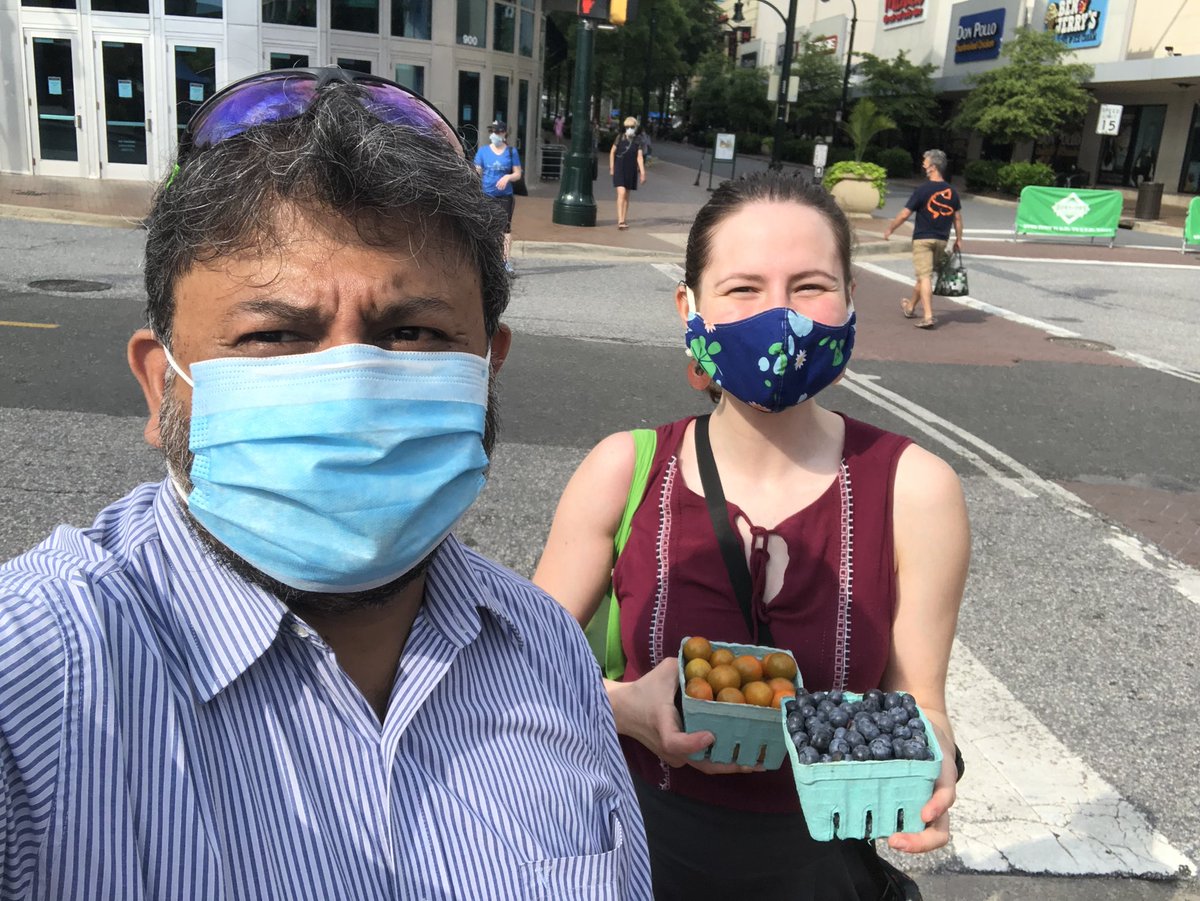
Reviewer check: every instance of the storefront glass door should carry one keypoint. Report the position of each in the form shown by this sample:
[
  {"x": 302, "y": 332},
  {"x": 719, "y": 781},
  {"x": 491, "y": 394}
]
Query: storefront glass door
[
  {"x": 126, "y": 126},
  {"x": 56, "y": 110},
  {"x": 195, "y": 79}
]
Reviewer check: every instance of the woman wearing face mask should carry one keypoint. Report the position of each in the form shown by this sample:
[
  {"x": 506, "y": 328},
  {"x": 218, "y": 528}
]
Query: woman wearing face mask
[
  {"x": 500, "y": 166},
  {"x": 627, "y": 166},
  {"x": 855, "y": 539}
]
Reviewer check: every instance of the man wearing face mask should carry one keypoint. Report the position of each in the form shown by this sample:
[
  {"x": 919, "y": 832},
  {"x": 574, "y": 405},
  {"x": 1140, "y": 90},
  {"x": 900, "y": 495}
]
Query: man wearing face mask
[
  {"x": 276, "y": 674},
  {"x": 627, "y": 166},
  {"x": 500, "y": 165}
]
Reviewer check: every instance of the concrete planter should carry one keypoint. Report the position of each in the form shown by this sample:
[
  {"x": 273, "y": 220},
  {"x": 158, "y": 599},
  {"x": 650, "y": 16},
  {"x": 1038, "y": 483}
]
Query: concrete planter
[{"x": 856, "y": 196}]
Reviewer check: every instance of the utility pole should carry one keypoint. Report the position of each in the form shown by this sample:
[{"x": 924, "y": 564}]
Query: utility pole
[
  {"x": 575, "y": 204},
  {"x": 649, "y": 62}
]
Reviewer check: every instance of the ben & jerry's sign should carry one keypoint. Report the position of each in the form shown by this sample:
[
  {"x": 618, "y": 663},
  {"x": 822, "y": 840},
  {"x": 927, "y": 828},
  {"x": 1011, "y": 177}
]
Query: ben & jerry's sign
[{"x": 1078, "y": 23}]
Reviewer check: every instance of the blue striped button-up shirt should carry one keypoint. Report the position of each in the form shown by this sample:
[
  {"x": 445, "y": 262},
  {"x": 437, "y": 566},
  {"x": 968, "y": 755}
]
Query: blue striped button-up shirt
[{"x": 168, "y": 731}]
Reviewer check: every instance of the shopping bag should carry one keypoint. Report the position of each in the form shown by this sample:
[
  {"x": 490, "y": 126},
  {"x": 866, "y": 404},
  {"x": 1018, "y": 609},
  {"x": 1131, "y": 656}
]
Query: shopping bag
[{"x": 951, "y": 277}]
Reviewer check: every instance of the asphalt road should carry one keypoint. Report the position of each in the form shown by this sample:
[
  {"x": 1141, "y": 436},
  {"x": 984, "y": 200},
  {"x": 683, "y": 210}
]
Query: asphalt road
[{"x": 1078, "y": 634}]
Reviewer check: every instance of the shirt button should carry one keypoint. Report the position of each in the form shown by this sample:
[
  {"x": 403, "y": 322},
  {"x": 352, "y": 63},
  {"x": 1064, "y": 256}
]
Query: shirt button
[{"x": 301, "y": 631}]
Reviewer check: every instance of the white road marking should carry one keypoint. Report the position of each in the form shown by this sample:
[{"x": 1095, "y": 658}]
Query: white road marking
[
  {"x": 673, "y": 271},
  {"x": 1106, "y": 264},
  {"x": 1057, "y": 331},
  {"x": 1028, "y": 804}
]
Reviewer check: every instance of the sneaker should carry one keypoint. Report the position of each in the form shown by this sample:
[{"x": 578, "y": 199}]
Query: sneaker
[{"x": 508, "y": 267}]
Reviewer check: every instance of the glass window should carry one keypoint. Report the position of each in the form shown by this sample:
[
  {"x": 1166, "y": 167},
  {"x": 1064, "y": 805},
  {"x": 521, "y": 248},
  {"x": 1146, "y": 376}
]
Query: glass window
[
  {"x": 289, "y": 60},
  {"x": 120, "y": 6},
  {"x": 468, "y": 108},
  {"x": 54, "y": 73},
  {"x": 124, "y": 102},
  {"x": 500, "y": 98},
  {"x": 527, "y": 33},
  {"x": 354, "y": 65},
  {"x": 195, "y": 81},
  {"x": 290, "y": 12},
  {"x": 1189, "y": 179},
  {"x": 412, "y": 77},
  {"x": 50, "y": 4},
  {"x": 504, "y": 27},
  {"x": 199, "y": 9},
  {"x": 472, "y": 23},
  {"x": 412, "y": 19},
  {"x": 522, "y": 113},
  {"x": 355, "y": 15}
]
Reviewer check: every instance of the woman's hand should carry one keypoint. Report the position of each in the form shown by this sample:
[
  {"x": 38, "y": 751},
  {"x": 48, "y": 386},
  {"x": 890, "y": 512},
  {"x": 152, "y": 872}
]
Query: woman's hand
[
  {"x": 935, "y": 814},
  {"x": 645, "y": 710},
  {"x": 502, "y": 182}
]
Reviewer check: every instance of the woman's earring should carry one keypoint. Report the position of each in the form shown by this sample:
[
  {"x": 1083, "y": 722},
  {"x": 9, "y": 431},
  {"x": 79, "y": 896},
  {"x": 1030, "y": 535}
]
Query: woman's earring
[{"x": 697, "y": 377}]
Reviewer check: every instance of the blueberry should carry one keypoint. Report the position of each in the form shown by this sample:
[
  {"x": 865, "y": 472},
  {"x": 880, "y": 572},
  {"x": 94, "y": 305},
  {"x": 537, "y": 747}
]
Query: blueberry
[
  {"x": 868, "y": 730},
  {"x": 899, "y": 716},
  {"x": 807, "y": 710},
  {"x": 812, "y": 722},
  {"x": 919, "y": 736},
  {"x": 874, "y": 695},
  {"x": 881, "y": 749},
  {"x": 855, "y": 739},
  {"x": 794, "y": 722},
  {"x": 884, "y": 722},
  {"x": 891, "y": 699},
  {"x": 909, "y": 703},
  {"x": 808, "y": 754},
  {"x": 928, "y": 754},
  {"x": 860, "y": 752},
  {"x": 839, "y": 716},
  {"x": 825, "y": 708},
  {"x": 817, "y": 697},
  {"x": 836, "y": 696},
  {"x": 902, "y": 732},
  {"x": 840, "y": 731},
  {"x": 790, "y": 706},
  {"x": 799, "y": 738},
  {"x": 825, "y": 758},
  {"x": 871, "y": 705},
  {"x": 839, "y": 746},
  {"x": 914, "y": 750},
  {"x": 854, "y": 707},
  {"x": 821, "y": 738},
  {"x": 898, "y": 748},
  {"x": 916, "y": 725}
]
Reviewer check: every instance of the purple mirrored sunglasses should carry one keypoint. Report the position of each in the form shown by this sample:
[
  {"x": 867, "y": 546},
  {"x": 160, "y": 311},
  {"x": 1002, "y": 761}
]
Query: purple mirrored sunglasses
[{"x": 287, "y": 93}]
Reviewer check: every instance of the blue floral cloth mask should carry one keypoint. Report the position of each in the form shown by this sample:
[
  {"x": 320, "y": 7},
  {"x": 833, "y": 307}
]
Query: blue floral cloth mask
[
  {"x": 772, "y": 360},
  {"x": 336, "y": 471}
]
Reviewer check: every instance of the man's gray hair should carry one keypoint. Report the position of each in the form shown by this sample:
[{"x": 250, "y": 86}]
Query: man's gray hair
[
  {"x": 391, "y": 183},
  {"x": 937, "y": 159}
]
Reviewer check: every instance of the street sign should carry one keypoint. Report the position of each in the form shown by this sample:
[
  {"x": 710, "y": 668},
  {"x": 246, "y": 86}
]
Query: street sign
[
  {"x": 820, "y": 155},
  {"x": 724, "y": 148},
  {"x": 1109, "y": 122}
]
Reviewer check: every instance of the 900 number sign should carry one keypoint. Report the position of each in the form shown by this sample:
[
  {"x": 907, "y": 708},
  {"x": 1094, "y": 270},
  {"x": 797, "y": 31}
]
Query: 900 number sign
[{"x": 469, "y": 40}]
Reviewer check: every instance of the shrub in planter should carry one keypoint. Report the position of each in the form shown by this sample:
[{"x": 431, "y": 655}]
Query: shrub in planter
[
  {"x": 876, "y": 175},
  {"x": 897, "y": 161},
  {"x": 1015, "y": 176},
  {"x": 748, "y": 142},
  {"x": 980, "y": 175}
]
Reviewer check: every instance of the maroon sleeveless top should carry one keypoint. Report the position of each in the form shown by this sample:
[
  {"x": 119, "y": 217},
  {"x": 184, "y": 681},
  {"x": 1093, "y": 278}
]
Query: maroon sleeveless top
[{"x": 833, "y": 611}]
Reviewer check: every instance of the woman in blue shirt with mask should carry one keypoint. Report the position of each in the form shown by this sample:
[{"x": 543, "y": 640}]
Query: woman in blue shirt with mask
[{"x": 500, "y": 166}]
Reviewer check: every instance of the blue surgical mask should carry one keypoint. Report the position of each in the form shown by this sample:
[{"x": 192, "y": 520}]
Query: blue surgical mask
[
  {"x": 773, "y": 360},
  {"x": 336, "y": 471},
  {"x": 497, "y": 140}
]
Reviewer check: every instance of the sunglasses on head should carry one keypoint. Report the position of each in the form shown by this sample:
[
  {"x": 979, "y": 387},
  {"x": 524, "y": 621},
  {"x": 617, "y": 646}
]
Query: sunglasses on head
[{"x": 284, "y": 94}]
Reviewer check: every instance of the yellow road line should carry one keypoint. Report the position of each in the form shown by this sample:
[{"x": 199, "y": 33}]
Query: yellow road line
[{"x": 28, "y": 324}]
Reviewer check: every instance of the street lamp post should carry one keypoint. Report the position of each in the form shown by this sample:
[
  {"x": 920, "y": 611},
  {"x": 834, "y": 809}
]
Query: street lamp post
[
  {"x": 841, "y": 113},
  {"x": 575, "y": 204},
  {"x": 781, "y": 101}
]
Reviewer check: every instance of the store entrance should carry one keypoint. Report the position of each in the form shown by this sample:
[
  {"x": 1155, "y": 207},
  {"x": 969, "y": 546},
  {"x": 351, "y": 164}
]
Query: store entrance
[
  {"x": 55, "y": 104},
  {"x": 1130, "y": 157}
]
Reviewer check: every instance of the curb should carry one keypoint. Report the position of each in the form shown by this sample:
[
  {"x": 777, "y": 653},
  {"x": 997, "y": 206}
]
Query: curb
[
  {"x": 66, "y": 217},
  {"x": 581, "y": 251}
]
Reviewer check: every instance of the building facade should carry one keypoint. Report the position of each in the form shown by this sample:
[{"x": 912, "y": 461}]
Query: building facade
[
  {"x": 103, "y": 88},
  {"x": 1145, "y": 55}
]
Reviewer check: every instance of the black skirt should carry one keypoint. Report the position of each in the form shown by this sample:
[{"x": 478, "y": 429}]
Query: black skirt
[
  {"x": 625, "y": 167},
  {"x": 701, "y": 851}
]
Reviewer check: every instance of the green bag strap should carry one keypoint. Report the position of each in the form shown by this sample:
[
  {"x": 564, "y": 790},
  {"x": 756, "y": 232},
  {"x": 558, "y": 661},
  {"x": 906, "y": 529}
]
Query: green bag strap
[{"x": 644, "y": 444}]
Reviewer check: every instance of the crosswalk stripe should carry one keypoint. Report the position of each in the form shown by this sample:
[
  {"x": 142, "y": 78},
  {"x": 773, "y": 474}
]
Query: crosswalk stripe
[{"x": 1028, "y": 804}]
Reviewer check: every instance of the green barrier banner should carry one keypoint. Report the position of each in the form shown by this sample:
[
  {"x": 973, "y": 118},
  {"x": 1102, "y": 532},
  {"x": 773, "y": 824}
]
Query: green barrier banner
[
  {"x": 1068, "y": 212},
  {"x": 1191, "y": 226}
]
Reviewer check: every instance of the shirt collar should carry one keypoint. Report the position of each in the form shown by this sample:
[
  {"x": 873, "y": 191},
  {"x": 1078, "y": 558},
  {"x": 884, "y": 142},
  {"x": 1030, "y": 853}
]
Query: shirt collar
[{"x": 227, "y": 623}]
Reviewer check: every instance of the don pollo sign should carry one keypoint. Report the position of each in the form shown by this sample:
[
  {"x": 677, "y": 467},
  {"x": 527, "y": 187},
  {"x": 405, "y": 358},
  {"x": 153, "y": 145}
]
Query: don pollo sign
[
  {"x": 902, "y": 12},
  {"x": 978, "y": 36},
  {"x": 1079, "y": 23}
]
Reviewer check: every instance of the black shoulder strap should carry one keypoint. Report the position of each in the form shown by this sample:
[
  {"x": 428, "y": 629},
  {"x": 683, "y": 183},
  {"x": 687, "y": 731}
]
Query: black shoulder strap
[{"x": 731, "y": 549}]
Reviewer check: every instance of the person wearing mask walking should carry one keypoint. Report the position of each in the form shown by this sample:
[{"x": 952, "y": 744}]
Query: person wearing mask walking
[
  {"x": 627, "y": 166},
  {"x": 500, "y": 166}
]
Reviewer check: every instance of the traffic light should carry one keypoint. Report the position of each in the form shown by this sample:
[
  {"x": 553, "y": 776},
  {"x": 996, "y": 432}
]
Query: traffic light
[
  {"x": 615, "y": 12},
  {"x": 594, "y": 9},
  {"x": 618, "y": 11}
]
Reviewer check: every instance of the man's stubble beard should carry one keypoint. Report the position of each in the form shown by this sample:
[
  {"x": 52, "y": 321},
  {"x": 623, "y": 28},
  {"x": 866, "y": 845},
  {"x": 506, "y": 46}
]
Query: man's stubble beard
[{"x": 174, "y": 428}]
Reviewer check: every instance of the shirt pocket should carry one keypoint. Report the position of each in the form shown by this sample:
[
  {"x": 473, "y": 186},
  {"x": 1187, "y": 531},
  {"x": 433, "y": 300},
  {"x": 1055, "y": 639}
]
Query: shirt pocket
[{"x": 593, "y": 877}]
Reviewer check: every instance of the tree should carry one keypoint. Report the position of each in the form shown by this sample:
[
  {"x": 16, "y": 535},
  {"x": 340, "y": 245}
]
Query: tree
[
  {"x": 1037, "y": 94},
  {"x": 820, "y": 87},
  {"x": 901, "y": 90},
  {"x": 864, "y": 122}
]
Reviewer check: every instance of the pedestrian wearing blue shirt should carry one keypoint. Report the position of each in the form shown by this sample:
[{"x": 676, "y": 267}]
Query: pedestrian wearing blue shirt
[
  {"x": 937, "y": 208},
  {"x": 276, "y": 674},
  {"x": 500, "y": 166}
]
